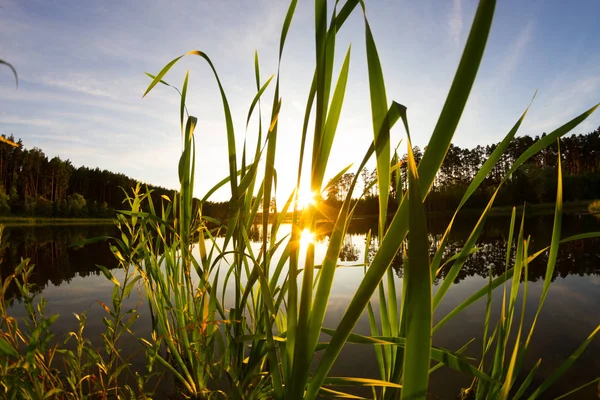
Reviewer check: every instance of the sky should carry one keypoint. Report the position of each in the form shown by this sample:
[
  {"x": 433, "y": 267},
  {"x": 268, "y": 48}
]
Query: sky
[{"x": 81, "y": 71}]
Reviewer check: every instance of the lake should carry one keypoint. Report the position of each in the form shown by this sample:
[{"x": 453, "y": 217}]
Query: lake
[{"x": 67, "y": 277}]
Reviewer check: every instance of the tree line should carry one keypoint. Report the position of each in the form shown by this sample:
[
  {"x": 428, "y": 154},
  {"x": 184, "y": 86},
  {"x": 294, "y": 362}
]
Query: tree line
[
  {"x": 534, "y": 183},
  {"x": 33, "y": 185}
]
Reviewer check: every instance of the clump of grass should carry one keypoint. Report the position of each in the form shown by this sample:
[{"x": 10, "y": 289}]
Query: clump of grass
[
  {"x": 239, "y": 322},
  {"x": 34, "y": 364},
  {"x": 26, "y": 355},
  {"x": 281, "y": 365}
]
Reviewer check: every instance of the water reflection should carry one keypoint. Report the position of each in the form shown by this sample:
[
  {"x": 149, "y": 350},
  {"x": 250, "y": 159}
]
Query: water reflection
[
  {"x": 349, "y": 251},
  {"x": 51, "y": 249},
  {"x": 571, "y": 307}
]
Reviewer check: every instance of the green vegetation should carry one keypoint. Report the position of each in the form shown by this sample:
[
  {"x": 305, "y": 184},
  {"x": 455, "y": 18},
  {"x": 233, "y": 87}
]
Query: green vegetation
[{"x": 259, "y": 341}]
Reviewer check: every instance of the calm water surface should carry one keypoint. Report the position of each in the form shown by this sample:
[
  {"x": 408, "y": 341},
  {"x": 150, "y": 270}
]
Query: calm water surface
[{"x": 68, "y": 278}]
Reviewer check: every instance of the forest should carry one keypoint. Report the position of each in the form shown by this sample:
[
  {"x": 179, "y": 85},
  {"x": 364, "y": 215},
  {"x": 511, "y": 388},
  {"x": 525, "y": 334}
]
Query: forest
[
  {"x": 33, "y": 185},
  {"x": 533, "y": 183}
]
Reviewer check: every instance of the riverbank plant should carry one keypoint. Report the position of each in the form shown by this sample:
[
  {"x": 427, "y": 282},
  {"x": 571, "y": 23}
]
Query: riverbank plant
[
  {"x": 234, "y": 320},
  {"x": 292, "y": 301}
]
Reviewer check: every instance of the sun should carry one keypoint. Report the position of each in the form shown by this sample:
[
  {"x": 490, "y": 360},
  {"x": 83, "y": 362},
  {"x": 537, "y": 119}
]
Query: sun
[{"x": 306, "y": 198}]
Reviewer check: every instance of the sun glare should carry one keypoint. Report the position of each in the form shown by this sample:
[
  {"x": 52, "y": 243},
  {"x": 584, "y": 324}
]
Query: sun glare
[
  {"x": 306, "y": 198},
  {"x": 306, "y": 237}
]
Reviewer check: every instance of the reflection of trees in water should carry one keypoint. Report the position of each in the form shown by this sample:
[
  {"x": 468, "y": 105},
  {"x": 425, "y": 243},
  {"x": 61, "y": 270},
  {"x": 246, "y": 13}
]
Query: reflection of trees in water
[
  {"x": 50, "y": 249},
  {"x": 580, "y": 257},
  {"x": 349, "y": 251},
  {"x": 574, "y": 258},
  {"x": 255, "y": 233}
]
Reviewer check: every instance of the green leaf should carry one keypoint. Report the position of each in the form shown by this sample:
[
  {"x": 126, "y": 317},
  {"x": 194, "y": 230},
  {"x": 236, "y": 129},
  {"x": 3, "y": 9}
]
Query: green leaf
[
  {"x": 418, "y": 301},
  {"x": 130, "y": 286},
  {"x": 7, "y": 350},
  {"x": 109, "y": 275},
  {"x": 351, "y": 381}
]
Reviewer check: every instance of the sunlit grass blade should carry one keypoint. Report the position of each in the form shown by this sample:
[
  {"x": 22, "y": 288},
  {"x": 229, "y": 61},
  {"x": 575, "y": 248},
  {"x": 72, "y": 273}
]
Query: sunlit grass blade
[
  {"x": 394, "y": 113},
  {"x": 226, "y": 109},
  {"x": 333, "y": 117},
  {"x": 458, "y": 94},
  {"x": 326, "y": 392},
  {"x": 427, "y": 169},
  {"x": 464, "y": 253},
  {"x": 547, "y": 140},
  {"x": 417, "y": 304},
  {"x": 378, "y": 112},
  {"x": 513, "y": 367},
  {"x": 554, "y": 245},
  {"x": 256, "y": 99},
  {"x": 351, "y": 381}
]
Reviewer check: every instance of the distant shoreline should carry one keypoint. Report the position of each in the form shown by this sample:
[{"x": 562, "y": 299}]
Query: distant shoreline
[
  {"x": 573, "y": 207},
  {"x": 21, "y": 221}
]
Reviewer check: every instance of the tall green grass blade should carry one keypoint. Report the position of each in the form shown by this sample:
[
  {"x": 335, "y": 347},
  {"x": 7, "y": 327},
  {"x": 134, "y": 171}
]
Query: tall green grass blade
[
  {"x": 257, "y": 99},
  {"x": 554, "y": 245},
  {"x": 458, "y": 94},
  {"x": 333, "y": 117},
  {"x": 427, "y": 169},
  {"x": 286, "y": 26},
  {"x": 550, "y": 138},
  {"x": 226, "y": 109},
  {"x": 464, "y": 253},
  {"x": 527, "y": 381},
  {"x": 494, "y": 158},
  {"x": 361, "y": 298},
  {"x": 182, "y": 102},
  {"x": 326, "y": 392},
  {"x": 417, "y": 304},
  {"x": 345, "y": 381},
  {"x": 378, "y": 114},
  {"x": 458, "y": 352},
  {"x": 513, "y": 366}
]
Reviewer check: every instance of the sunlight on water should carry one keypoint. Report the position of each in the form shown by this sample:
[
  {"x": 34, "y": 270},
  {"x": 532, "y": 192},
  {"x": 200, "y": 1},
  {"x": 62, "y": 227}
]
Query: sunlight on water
[{"x": 306, "y": 237}]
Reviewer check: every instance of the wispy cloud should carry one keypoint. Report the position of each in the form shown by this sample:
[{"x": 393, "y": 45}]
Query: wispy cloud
[
  {"x": 78, "y": 83},
  {"x": 564, "y": 100},
  {"x": 514, "y": 55},
  {"x": 455, "y": 23},
  {"x": 17, "y": 120}
]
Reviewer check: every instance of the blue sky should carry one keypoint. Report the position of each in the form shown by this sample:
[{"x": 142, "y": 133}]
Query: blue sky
[{"x": 81, "y": 80}]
